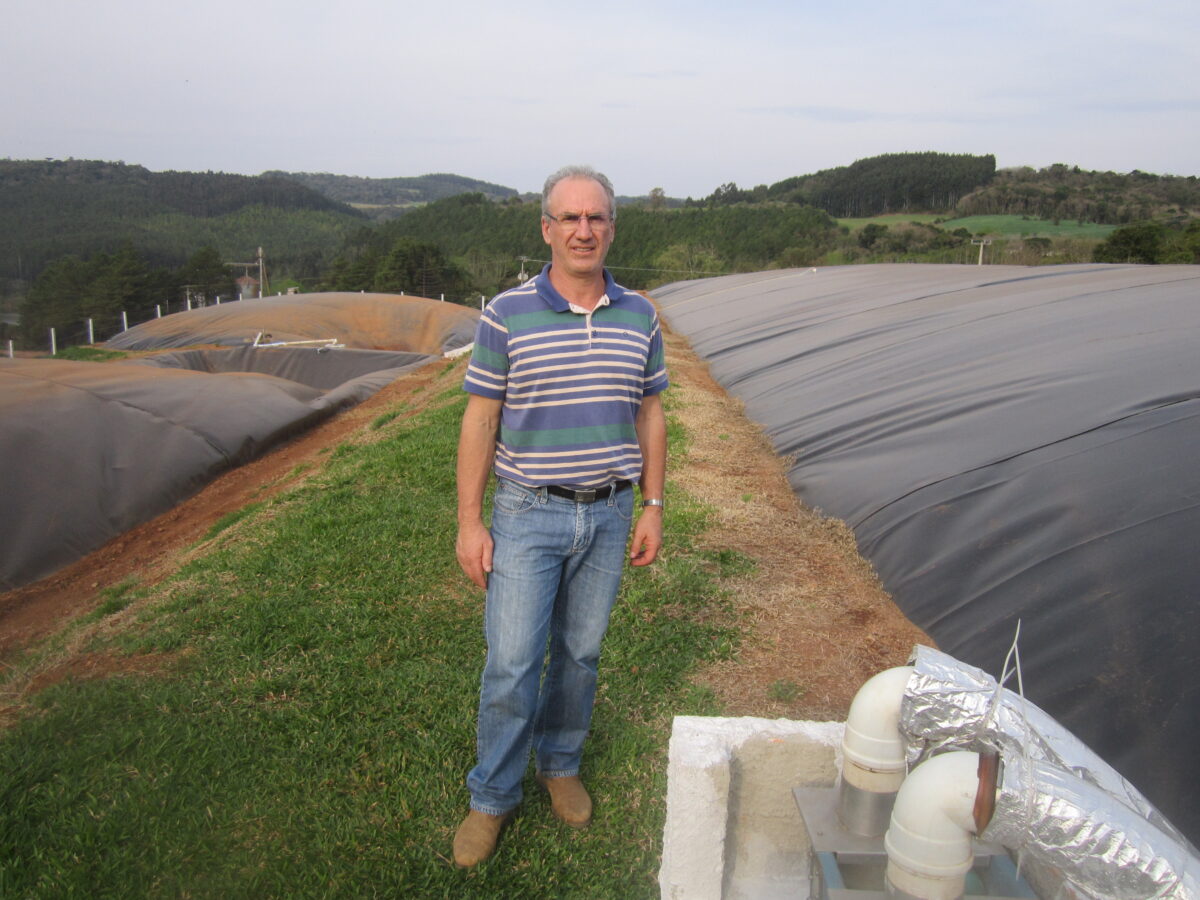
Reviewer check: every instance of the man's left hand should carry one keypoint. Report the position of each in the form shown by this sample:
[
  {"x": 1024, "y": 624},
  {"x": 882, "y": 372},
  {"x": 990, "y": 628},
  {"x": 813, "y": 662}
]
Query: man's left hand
[{"x": 647, "y": 537}]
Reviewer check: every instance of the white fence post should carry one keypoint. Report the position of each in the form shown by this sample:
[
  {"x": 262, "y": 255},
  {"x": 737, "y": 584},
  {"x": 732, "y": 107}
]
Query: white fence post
[
  {"x": 10, "y": 353},
  {"x": 124, "y": 321},
  {"x": 53, "y": 344},
  {"x": 157, "y": 310},
  {"x": 91, "y": 333}
]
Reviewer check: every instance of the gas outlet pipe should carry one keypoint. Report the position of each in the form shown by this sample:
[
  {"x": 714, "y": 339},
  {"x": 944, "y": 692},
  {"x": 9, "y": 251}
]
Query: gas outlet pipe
[
  {"x": 941, "y": 806},
  {"x": 873, "y": 762}
]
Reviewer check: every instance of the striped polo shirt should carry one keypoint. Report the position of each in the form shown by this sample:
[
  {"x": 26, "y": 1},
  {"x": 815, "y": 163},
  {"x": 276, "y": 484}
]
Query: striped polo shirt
[{"x": 572, "y": 382}]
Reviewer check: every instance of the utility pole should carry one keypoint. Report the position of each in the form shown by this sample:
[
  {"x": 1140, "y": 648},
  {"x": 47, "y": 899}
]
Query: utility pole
[{"x": 261, "y": 264}]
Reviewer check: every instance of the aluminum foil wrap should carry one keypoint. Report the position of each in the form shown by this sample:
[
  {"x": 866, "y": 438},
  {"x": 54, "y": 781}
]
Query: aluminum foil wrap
[
  {"x": 1070, "y": 815},
  {"x": 1098, "y": 845},
  {"x": 949, "y": 705}
]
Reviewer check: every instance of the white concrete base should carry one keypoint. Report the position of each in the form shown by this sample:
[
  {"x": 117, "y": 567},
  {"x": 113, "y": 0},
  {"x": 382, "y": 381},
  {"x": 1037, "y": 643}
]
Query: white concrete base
[{"x": 732, "y": 829}]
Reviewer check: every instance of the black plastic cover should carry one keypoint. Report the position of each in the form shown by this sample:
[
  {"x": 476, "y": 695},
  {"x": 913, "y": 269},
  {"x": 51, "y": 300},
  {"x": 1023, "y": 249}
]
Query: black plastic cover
[{"x": 1009, "y": 445}]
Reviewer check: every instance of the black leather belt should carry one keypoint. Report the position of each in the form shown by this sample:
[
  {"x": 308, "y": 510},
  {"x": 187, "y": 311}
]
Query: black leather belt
[{"x": 588, "y": 496}]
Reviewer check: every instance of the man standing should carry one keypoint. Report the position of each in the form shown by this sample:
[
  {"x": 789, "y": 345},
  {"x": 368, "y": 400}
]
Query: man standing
[{"x": 565, "y": 383}]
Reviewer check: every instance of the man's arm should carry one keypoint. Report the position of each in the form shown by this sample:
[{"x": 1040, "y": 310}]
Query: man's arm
[
  {"x": 651, "y": 428},
  {"x": 476, "y": 450}
]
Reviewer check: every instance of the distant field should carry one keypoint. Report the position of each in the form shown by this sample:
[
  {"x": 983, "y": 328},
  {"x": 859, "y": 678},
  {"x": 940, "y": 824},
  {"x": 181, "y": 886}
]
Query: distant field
[
  {"x": 1026, "y": 227},
  {"x": 1000, "y": 226},
  {"x": 898, "y": 218}
]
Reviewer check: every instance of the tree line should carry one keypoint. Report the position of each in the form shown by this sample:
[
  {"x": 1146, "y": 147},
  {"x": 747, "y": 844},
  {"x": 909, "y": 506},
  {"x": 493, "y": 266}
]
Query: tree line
[
  {"x": 1061, "y": 192},
  {"x": 129, "y": 249},
  {"x": 103, "y": 286},
  {"x": 54, "y": 208},
  {"x": 880, "y": 185},
  {"x": 386, "y": 198}
]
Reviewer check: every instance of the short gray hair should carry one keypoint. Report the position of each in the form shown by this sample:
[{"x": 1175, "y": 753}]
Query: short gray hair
[{"x": 579, "y": 172}]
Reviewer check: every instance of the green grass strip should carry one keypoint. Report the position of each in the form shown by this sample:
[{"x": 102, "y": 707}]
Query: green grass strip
[{"x": 313, "y": 737}]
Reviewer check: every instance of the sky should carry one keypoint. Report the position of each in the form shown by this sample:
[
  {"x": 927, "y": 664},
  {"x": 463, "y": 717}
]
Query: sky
[{"x": 681, "y": 96}]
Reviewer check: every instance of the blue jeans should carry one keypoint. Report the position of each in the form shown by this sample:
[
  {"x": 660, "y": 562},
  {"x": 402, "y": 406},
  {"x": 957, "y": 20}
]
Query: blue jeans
[{"x": 556, "y": 568}]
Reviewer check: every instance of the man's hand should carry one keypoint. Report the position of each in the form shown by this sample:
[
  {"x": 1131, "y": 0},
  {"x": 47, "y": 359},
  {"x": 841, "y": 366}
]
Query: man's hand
[
  {"x": 647, "y": 537},
  {"x": 474, "y": 551}
]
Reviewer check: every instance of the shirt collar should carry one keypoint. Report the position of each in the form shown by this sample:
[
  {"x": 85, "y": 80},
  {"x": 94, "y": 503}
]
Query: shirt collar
[{"x": 559, "y": 303}]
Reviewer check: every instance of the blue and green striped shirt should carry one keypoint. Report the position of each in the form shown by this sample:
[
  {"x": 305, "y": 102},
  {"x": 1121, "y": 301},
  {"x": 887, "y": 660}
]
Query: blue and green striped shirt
[{"x": 572, "y": 383}]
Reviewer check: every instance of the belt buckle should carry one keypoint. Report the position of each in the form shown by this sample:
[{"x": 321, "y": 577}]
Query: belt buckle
[{"x": 588, "y": 496}]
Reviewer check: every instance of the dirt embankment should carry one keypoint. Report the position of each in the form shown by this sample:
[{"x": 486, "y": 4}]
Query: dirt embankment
[{"x": 817, "y": 622}]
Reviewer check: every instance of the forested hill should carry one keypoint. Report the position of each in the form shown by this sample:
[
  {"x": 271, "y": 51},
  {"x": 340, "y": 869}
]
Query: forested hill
[
  {"x": 1061, "y": 192},
  {"x": 385, "y": 198},
  {"x": 892, "y": 183},
  {"x": 54, "y": 208},
  {"x": 963, "y": 185},
  {"x": 133, "y": 188}
]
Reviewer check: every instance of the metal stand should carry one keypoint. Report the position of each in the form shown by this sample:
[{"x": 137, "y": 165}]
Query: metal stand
[{"x": 847, "y": 866}]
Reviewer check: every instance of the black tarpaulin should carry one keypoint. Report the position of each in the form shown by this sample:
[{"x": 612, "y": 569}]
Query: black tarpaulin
[
  {"x": 89, "y": 450},
  {"x": 1008, "y": 444}
]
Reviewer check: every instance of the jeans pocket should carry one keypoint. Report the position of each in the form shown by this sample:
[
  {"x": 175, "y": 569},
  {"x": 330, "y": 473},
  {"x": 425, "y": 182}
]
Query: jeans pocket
[
  {"x": 513, "y": 499},
  {"x": 623, "y": 501}
]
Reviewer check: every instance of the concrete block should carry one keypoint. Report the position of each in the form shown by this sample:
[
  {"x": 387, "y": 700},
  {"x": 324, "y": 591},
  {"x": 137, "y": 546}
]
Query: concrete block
[{"x": 732, "y": 826}]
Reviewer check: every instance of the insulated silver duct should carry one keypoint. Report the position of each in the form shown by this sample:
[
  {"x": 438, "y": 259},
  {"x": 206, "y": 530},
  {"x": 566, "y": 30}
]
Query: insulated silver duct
[
  {"x": 949, "y": 705},
  {"x": 1097, "y": 844},
  {"x": 1080, "y": 827}
]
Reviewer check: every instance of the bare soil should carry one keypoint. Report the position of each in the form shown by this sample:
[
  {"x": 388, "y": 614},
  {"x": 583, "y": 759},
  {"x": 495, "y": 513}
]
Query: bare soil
[{"x": 817, "y": 623}]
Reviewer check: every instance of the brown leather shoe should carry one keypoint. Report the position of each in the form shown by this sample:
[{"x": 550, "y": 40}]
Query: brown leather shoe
[
  {"x": 569, "y": 800},
  {"x": 476, "y": 838}
]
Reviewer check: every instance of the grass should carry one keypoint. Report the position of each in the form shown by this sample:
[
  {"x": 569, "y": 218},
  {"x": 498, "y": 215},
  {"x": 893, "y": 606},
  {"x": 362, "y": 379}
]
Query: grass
[
  {"x": 1023, "y": 226},
  {"x": 312, "y": 737},
  {"x": 854, "y": 224},
  {"x": 1000, "y": 226},
  {"x": 89, "y": 354}
]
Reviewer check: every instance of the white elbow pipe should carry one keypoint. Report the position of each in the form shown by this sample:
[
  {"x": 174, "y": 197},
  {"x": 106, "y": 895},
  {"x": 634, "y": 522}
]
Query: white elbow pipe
[
  {"x": 873, "y": 762},
  {"x": 928, "y": 843}
]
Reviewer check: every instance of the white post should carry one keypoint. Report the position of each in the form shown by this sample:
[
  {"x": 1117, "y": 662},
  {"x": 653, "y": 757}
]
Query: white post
[
  {"x": 189, "y": 302},
  {"x": 53, "y": 344},
  {"x": 443, "y": 296},
  {"x": 91, "y": 333},
  {"x": 10, "y": 354},
  {"x": 218, "y": 299},
  {"x": 124, "y": 321},
  {"x": 482, "y": 301},
  {"x": 157, "y": 311}
]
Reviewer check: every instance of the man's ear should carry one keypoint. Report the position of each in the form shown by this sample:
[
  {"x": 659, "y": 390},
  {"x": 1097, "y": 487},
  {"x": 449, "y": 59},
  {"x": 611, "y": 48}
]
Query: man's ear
[{"x": 545, "y": 229}]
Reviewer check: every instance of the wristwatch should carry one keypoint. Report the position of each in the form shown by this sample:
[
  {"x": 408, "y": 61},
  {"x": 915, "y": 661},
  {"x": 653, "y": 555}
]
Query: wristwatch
[{"x": 652, "y": 503}]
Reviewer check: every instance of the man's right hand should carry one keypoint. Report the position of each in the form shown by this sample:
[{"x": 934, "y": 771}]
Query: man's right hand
[{"x": 474, "y": 551}]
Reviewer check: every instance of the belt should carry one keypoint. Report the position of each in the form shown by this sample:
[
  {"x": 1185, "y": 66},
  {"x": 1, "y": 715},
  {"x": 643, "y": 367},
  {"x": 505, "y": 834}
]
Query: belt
[{"x": 591, "y": 495}]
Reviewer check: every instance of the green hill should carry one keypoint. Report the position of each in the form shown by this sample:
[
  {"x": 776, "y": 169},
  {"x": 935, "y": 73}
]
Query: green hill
[
  {"x": 55, "y": 208},
  {"x": 386, "y": 198}
]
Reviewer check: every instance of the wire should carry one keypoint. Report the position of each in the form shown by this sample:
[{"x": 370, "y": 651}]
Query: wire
[{"x": 634, "y": 268}]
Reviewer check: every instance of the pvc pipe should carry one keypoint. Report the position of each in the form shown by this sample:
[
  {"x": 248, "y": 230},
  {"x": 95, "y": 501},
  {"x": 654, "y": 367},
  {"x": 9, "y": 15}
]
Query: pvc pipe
[
  {"x": 929, "y": 841},
  {"x": 873, "y": 761}
]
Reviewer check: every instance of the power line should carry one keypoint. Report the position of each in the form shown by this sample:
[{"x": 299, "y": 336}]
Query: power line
[{"x": 633, "y": 268}]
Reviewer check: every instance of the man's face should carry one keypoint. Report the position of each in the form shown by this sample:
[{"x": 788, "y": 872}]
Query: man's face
[{"x": 578, "y": 248}]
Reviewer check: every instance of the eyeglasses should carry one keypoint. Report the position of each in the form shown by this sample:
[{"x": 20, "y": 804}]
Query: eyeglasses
[{"x": 570, "y": 221}]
